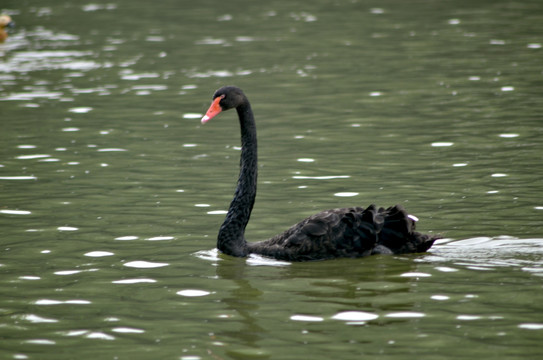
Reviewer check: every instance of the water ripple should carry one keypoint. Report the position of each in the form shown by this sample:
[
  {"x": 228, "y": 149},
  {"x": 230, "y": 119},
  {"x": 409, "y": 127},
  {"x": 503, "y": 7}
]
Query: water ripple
[
  {"x": 37, "y": 319},
  {"x": 99, "y": 253},
  {"x": 18, "y": 178},
  {"x": 355, "y": 316},
  {"x": 134, "y": 281},
  {"x": 486, "y": 253},
  {"x": 193, "y": 293},
  {"x": 306, "y": 318},
  {"x": 127, "y": 238},
  {"x": 144, "y": 264},
  {"x": 328, "y": 177},
  {"x": 405, "y": 314},
  {"x": 127, "y": 330},
  {"x": 15, "y": 212},
  {"x": 26, "y": 96},
  {"x": 26, "y": 61},
  {"x": 60, "y": 302}
]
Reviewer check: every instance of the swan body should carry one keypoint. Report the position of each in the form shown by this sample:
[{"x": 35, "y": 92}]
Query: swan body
[{"x": 336, "y": 233}]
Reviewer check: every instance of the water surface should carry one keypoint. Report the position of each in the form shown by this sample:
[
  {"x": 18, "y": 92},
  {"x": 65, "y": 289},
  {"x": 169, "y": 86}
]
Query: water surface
[{"x": 111, "y": 192}]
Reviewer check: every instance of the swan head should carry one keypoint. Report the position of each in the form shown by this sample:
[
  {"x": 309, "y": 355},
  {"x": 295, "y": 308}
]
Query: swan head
[{"x": 227, "y": 97}]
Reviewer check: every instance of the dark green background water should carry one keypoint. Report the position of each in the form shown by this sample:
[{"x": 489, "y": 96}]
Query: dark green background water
[{"x": 111, "y": 192}]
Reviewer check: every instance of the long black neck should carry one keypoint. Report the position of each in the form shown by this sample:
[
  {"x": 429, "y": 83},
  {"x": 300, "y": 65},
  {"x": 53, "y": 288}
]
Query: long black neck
[{"x": 231, "y": 238}]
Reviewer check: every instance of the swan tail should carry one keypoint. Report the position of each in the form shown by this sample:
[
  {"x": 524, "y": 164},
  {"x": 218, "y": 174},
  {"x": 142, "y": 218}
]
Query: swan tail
[{"x": 398, "y": 235}]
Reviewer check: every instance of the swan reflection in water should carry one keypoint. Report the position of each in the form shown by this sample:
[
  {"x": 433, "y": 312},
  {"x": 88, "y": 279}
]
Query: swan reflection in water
[{"x": 323, "y": 291}]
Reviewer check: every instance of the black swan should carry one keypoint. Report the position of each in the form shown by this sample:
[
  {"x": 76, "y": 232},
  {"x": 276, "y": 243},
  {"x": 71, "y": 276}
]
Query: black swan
[{"x": 348, "y": 232}]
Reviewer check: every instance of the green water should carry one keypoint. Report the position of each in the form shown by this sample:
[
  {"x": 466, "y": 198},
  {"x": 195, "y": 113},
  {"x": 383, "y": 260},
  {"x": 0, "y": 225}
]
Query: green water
[{"x": 111, "y": 192}]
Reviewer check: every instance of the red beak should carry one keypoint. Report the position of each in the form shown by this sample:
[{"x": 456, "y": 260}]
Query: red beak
[{"x": 213, "y": 110}]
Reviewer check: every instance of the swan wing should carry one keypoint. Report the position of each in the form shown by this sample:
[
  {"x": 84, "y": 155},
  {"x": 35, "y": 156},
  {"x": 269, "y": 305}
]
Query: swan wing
[{"x": 347, "y": 232}]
